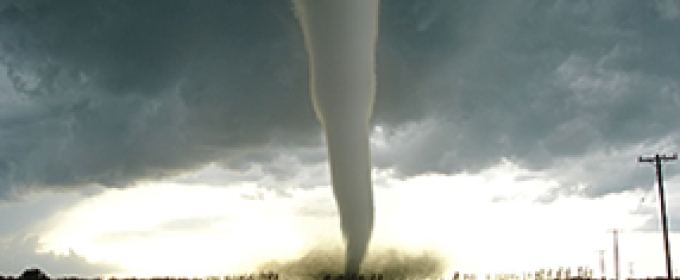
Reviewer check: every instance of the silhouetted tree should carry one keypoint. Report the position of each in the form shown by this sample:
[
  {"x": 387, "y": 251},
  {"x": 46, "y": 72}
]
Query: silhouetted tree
[{"x": 33, "y": 274}]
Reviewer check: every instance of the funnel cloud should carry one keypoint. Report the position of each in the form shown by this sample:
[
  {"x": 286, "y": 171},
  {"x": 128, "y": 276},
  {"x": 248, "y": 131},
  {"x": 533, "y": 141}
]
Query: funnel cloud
[{"x": 340, "y": 37}]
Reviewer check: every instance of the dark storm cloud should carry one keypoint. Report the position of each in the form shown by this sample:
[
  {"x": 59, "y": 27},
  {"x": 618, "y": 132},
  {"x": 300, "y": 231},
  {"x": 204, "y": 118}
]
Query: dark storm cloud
[
  {"x": 576, "y": 89},
  {"x": 118, "y": 91}
]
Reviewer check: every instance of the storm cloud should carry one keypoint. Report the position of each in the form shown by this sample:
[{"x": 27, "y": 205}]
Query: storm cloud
[{"x": 115, "y": 92}]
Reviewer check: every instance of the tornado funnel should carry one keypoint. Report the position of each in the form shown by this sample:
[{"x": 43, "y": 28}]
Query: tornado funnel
[{"x": 340, "y": 37}]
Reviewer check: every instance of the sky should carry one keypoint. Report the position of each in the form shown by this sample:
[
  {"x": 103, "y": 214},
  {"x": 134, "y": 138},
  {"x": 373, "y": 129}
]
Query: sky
[{"x": 178, "y": 137}]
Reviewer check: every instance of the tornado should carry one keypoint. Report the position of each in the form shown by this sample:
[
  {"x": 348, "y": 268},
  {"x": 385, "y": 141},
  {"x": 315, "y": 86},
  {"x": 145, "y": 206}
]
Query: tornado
[{"x": 340, "y": 38}]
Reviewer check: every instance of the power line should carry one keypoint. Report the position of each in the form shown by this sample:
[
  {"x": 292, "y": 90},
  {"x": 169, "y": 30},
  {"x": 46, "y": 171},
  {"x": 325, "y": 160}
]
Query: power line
[{"x": 657, "y": 159}]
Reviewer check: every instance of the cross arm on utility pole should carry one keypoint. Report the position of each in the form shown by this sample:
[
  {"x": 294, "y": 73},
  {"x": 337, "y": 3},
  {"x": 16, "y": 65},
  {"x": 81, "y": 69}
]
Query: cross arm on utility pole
[{"x": 658, "y": 158}]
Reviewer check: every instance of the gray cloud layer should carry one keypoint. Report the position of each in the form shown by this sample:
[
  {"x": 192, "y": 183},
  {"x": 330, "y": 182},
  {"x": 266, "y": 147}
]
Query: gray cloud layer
[
  {"x": 20, "y": 253},
  {"x": 115, "y": 92}
]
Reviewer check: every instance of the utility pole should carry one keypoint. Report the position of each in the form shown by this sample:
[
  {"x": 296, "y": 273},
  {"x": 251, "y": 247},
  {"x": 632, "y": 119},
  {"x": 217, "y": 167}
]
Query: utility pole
[
  {"x": 630, "y": 270},
  {"x": 616, "y": 254},
  {"x": 603, "y": 272},
  {"x": 657, "y": 159}
]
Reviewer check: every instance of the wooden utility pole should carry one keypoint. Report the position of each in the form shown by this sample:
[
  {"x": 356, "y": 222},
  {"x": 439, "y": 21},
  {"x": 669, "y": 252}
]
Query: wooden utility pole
[
  {"x": 657, "y": 159},
  {"x": 617, "y": 268},
  {"x": 602, "y": 271}
]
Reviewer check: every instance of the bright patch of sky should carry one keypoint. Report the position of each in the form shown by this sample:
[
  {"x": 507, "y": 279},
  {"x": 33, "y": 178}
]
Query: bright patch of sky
[{"x": 486, "y": 223}]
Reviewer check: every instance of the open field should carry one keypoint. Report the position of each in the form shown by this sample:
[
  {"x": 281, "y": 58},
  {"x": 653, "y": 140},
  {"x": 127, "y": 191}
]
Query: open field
[{"x": 36, "y": 274}]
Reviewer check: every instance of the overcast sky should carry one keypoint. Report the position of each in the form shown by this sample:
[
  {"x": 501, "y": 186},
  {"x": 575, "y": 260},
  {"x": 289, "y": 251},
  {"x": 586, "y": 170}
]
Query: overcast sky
[{"x": 103, "y": 97}]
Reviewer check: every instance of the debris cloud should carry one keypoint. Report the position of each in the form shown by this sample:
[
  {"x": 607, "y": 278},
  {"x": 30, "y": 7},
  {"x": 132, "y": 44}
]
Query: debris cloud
[{"x": 390, "y": 263}]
